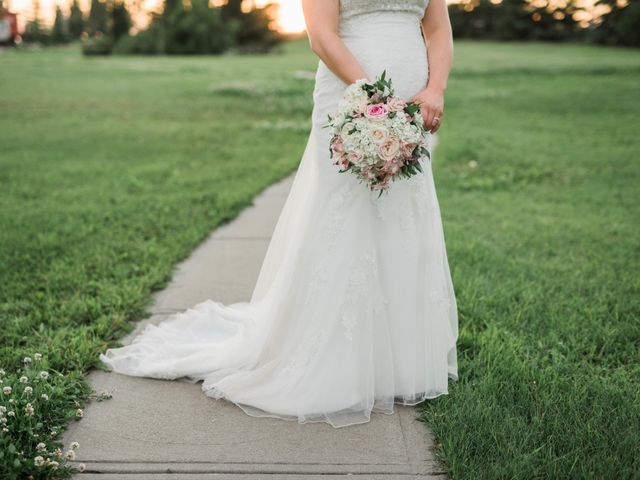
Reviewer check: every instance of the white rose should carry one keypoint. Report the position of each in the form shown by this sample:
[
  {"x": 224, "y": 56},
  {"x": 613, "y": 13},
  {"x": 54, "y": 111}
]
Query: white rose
[{"x": 378, "y": 133}]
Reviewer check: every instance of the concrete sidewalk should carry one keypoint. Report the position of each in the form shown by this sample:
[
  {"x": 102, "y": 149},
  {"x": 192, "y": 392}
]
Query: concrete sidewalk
[{"x": 171, "y": 430}]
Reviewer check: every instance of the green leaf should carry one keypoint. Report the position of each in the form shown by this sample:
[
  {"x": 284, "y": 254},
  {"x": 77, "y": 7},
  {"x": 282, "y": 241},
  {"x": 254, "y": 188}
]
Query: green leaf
[{"x": 412, "y": 108}]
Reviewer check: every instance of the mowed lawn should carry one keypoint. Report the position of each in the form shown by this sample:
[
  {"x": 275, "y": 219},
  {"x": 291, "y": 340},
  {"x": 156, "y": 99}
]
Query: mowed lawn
[{"x": 114, "y": 169}]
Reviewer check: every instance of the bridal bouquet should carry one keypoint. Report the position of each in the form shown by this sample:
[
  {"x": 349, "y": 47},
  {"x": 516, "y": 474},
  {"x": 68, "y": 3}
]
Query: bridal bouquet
[{"x": 376, "y": 136}]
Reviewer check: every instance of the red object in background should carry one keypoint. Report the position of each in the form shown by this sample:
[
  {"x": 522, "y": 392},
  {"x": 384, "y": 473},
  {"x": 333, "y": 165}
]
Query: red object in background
[{"x": 8, "y": 25}]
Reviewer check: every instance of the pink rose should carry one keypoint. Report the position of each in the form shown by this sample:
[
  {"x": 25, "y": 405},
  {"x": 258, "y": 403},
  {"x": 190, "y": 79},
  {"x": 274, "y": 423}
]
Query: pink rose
[
  {"x": 395, "y": 104},
  {"x": 407, "y": 149},
  {"x": 342, "y": 161},
  {"x": 381, "y": 185},
  {"x": 392, "y": 167},
  {"x": 377, "y": 111},
  {"x": 337, "y": 146},
  {"x": 355, "y": 156},
  {"x": 389, "y": 149}
]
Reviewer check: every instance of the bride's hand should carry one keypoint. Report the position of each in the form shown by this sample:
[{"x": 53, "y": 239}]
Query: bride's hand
[{"x": 431, "y": 107}]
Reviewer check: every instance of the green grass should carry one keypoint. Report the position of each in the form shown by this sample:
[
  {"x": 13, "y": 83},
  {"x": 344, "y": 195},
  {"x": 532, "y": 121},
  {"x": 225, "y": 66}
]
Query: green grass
[
  {"x": 544, "y": 243},
  {"x": 113, "y": 169}
]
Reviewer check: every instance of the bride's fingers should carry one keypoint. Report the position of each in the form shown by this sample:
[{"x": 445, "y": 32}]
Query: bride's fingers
[
  {"x": 428, "y": 118},
  {"x": 436, "y": 120}
]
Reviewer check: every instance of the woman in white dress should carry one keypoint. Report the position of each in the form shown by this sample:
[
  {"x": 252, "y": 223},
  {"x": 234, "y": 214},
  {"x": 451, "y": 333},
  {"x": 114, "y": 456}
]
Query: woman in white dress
[{"x": 354, "y": 309}]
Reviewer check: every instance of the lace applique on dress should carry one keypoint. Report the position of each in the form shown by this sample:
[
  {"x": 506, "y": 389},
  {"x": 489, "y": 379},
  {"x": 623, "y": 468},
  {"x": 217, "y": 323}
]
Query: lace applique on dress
[
  {"x": 351, "y": 8},
  {"x": 306, "y": 352},
  {"x": 365, "y": 296},
  {"x": 335, "y": 223},
  {"x": 415, "y": 204}
]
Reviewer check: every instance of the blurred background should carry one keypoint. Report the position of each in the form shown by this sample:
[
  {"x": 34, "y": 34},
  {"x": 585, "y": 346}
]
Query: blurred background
[{"x": 213, "y": 26}]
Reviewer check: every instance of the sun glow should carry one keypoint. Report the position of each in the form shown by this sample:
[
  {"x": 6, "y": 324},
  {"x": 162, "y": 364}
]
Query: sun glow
[{"x": 290, "y": 19}]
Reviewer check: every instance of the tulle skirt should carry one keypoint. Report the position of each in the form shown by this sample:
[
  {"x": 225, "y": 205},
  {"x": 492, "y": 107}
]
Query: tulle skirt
[{"x": 353, "y": 309}]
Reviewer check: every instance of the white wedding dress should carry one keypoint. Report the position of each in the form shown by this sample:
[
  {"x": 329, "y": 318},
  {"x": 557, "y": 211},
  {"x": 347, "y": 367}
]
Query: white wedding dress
[{"x": 354, "y": 308}]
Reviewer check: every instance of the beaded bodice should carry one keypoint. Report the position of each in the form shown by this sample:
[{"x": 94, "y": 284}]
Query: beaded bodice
[{"x": 351, "y": 8}]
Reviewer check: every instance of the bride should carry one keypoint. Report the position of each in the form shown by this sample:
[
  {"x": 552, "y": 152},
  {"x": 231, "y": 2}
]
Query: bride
[{"x": 353, "y": 309}]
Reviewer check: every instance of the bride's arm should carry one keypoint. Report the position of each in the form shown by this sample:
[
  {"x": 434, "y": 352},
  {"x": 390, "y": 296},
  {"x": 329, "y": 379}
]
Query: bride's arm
[
  {"x": 439, "y": 40},
  {"x": 321, "y": 17}
]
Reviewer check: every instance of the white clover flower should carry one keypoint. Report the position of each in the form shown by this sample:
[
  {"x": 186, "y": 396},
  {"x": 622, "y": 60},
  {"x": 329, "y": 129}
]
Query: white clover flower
[
  {"x": 5, "y": 429},
  {"x": 27, "y": 360},
  {"x": 11, "y": 413},
  {"x": 41, "y": 446},
  {"x": 57, "y": 453},
  {"x": 54, "y": 464},
  {"x": 11, "y": 400},
  {"x": 37, "y": 356},
  {"x": 82, "y": 467},
  {"x": 28, "y": 409},
  {"x": 44, "y": 375},
  {"x": 2, "y": 409},
  {"x": 70, "y": 455},
  {"x": 3, "y": 420},
  {"x": 474, "y": 164},
  {"x": 28, "y": 390},
  {"x": 75, "y": 445},
  {"x": 79, "y": 413},
  {"x": 23, "y": 379},
  {"x": 7, "y": 390},
  {"x": 44, "y": 396},
  {"x": 38, "y": 461}
]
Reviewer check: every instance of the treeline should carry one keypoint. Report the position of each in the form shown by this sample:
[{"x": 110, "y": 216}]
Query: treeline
[
  {"x": 564, "y": 20},
  {"x": 183, "y": 28},
  {"x": 107, "y": 17}
]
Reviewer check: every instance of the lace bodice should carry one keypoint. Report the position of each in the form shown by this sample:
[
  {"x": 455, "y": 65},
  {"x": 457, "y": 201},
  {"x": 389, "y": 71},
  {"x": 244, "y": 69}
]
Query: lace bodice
[{"x": 351, "y": 8}]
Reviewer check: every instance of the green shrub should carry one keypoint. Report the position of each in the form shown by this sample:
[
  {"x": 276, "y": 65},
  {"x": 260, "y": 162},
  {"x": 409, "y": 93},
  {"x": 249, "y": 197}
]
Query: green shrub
[
  {"x": 98, "y": 45},
  {"x": 147, "y": 42},
  {"x": 198, "y": 30}
]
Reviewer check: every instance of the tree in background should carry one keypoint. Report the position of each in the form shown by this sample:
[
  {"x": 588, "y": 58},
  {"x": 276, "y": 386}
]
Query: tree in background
[
  {"x": 98, "y": 22},
  {"x": 252, "y": 29},
  {"x": 60, "y": 31},
  {"x": 33, "y": 31},
  {"x": 195, "y": 30},
  {"x": 76, "y": 21},
  {"x": 621, "y": 26},
  {"x": 516, "y": 20},
  {"x": 120, "y": 19},
  {"x": 196, "y": 27}
]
